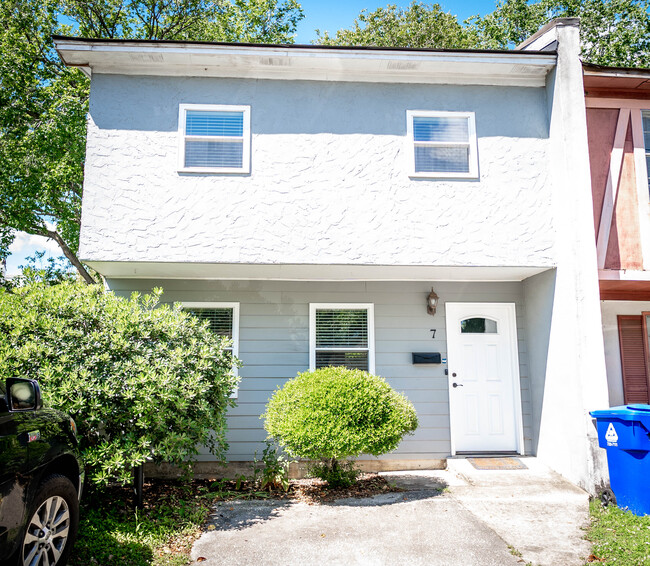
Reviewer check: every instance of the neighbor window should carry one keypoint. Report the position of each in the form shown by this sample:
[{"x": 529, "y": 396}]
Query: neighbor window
[
  {"x": 342, "y": 335},
  {"x": 223, "y": 320},
  {"x": 214, "y": 138},
  {"x": 646, "y": 140},
  {"x": 442, "y": 144},
  {"x": 634, "y": 342}
]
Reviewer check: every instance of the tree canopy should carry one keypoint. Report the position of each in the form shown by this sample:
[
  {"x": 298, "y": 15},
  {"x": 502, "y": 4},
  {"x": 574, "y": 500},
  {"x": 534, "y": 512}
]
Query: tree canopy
[
  {"x": 613, "y": 32},
  {"x": 43, "y": 104},
  {"x": 418, "y": 26}
]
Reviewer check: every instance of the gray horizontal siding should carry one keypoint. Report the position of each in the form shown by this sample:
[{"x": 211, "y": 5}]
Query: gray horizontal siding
[{"x": 274, "y": 346}]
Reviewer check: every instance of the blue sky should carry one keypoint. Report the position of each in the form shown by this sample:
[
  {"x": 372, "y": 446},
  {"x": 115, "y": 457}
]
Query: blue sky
[
  {"x": 319, "y": 14},
  {"x": 336, "y": 14}
]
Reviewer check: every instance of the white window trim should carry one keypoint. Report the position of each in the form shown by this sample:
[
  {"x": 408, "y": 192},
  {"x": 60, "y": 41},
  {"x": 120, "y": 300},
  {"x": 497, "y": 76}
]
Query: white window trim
[
  {"x": 246, "y": 138},
  {"x": 472, "y": 143},
  {"x": 370, "y": 309},
  {"x": 235, "y": 327}
]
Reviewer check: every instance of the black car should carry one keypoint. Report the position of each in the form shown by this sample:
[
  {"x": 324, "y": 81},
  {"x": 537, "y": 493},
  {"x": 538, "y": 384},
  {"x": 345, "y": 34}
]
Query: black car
[{"x": 41, "y": 478}]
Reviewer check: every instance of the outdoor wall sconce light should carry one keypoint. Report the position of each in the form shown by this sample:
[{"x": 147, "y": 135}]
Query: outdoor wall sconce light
[{"x": 432, "y": 302}]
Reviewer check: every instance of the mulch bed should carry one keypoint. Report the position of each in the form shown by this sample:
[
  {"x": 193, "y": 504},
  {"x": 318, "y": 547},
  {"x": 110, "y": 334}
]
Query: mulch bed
[
  {"x": 315, "y": 491},
  {"x": 312, "y": 491}
]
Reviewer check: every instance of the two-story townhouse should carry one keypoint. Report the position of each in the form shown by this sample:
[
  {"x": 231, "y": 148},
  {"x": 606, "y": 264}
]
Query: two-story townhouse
[
  {"x": 618, "y": 120},
  {"x": 320, "y": 204}
]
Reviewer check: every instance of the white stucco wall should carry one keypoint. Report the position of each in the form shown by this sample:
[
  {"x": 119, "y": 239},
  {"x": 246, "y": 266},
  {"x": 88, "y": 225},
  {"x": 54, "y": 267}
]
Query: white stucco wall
[
  {"x": 610, "y": 311},
  {"x": 328, "y": 182},
  {"x": 574, "y": 379}
]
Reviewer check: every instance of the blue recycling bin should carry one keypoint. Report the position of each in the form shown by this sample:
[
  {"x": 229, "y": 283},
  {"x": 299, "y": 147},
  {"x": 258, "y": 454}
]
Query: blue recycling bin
[{"x": 625, "y": 433}]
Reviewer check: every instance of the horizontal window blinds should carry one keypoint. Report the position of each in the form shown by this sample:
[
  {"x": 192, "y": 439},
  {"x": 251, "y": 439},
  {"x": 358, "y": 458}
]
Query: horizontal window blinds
[
  {"x": 350, "y": 360},
  {"x": 220, "y": 320},
  {"x": 442, "y": 159},
  {"x": 213, "y": 154},
  {"x": 206, "y": 123},
  {"x": 342, "y": 338},
  {"x": 441, "y": 144},
  {"x": 214, "y": 139},
  {"x": 440, "y": 129},
  {"x": 342, "y": 328}
]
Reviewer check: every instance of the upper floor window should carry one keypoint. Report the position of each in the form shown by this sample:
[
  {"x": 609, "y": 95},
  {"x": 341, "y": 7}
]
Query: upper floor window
[
  {"x": 342, "y": 335},
  {"x": 646, "y": 139},
  {"x": 214, "y": 138},
  {"x": 442, "y": 144},
  {"x": 223, "y": 320}
]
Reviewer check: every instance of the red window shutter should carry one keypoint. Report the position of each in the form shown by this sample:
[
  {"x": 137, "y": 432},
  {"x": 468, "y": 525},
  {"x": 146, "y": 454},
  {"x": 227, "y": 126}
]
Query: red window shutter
[{"x": 633, "y": 359}]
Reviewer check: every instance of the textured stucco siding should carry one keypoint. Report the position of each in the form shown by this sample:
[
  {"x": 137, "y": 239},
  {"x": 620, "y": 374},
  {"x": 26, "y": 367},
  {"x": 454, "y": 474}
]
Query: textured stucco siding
[
  {"x": 274, "y": 346},
  {"x": 328, "y": 180}
]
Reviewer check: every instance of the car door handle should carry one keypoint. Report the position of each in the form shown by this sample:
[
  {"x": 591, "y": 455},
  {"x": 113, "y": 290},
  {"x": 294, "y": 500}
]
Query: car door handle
[{"x": 454, "y": 385}]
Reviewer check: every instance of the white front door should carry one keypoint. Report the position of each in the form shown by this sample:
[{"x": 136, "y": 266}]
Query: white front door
[{"x": 484, "y": 390}]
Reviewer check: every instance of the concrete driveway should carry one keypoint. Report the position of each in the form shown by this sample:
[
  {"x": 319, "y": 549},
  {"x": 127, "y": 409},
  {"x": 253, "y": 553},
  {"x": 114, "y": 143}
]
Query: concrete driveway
[{"x": 458, "y": 517}]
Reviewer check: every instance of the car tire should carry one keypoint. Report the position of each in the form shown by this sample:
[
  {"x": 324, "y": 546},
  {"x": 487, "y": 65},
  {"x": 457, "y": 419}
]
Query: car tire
[{"x": 53, "y": 520}]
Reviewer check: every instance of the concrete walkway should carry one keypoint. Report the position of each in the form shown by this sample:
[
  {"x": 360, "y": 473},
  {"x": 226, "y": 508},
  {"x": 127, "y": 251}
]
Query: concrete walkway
[
  {"x": 535, "y": 511},
  {"x": 458, "y": 517}
]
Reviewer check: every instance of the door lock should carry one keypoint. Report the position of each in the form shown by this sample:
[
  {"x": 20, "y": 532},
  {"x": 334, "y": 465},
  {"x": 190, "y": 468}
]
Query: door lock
[{"x": 454, "y": 385}]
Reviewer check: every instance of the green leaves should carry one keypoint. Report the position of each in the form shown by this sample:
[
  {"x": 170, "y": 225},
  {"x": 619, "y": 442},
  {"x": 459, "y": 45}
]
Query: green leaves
[
  {"x": 142, "y": 380},
  {"x": 336, "y": 413},
  {"x": 613, "y": 32},
  {"x": 43, "y": 104},
  {"x": 420, "y": 25}
]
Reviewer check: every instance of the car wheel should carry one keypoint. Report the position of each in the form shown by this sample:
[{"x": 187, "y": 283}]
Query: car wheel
[{"x": 53, "y": 523}]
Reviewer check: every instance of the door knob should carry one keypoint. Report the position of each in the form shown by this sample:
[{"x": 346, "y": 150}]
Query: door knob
[
  {"x": 453, "y": 375},
  {"x": 454, "y": 385}
]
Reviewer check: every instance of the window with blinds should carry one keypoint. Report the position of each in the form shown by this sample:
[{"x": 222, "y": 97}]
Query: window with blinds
[
  {"x": 215, "y": 138},
  {"x": 223, "y": 320},
  {"x": 442, "y": 144},
  {"x": 342, "y": 336}
]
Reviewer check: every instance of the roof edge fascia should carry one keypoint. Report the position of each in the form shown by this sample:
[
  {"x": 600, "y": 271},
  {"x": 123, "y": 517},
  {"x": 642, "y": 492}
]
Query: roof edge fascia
[{"x": 133, "y": 55}]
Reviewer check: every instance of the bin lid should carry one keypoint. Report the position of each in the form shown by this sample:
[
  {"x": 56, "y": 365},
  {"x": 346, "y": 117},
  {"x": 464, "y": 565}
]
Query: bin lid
[{"x": 634, "y": 412}]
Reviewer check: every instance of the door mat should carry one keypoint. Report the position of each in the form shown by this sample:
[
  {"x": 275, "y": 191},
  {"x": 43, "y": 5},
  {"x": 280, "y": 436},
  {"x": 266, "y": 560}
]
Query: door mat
[{"x": 497, "y": 463}]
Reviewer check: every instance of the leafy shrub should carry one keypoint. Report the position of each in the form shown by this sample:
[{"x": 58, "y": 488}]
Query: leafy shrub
[
  {"x": 274, "y": 469},
  {"x": 336, "y": 473},
  {"x": 335, "y": 413},
  {"x": 141, "y": 382}
]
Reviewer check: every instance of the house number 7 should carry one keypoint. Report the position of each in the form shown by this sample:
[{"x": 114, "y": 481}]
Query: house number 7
[{"x": 433, "y": 333}]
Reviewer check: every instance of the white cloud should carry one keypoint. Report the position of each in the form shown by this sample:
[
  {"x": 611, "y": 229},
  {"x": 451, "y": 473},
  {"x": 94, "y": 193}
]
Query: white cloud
[
  {"x": 24, "y": 242},
  {"x": 25, "y": 245}
]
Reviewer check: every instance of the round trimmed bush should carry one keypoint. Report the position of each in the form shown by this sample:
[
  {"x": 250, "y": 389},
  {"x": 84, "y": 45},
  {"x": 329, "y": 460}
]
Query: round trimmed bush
[{"x": 335, "y": 413}]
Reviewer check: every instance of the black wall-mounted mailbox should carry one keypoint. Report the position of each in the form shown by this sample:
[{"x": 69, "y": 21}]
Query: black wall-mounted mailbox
[{"x": 427, "y": 358}]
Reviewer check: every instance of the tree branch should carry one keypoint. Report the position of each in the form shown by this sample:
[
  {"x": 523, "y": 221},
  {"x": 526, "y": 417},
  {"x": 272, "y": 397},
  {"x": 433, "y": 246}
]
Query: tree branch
[{"x": 67, "y": 252}]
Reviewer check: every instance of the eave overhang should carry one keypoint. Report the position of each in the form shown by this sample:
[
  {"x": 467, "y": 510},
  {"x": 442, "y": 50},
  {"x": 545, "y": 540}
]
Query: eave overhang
[
  {"x": 310, "y": 272},
  {"x": 306, "y": 62}
]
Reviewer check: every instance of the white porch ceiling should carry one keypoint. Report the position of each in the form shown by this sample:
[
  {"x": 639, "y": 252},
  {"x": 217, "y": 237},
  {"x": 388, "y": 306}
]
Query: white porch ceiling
[{"x": 289, "y": 272}]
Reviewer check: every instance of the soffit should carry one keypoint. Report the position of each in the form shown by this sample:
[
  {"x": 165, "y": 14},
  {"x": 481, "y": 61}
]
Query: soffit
[
  {"x": 306, "y": 62},
  {"x": 305, "y": 272}
]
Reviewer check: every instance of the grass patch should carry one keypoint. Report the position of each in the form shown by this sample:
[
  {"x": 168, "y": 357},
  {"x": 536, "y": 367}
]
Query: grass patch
[
  {"x": 112, "y": 533},
  {"x": 618, "y": 536}
]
